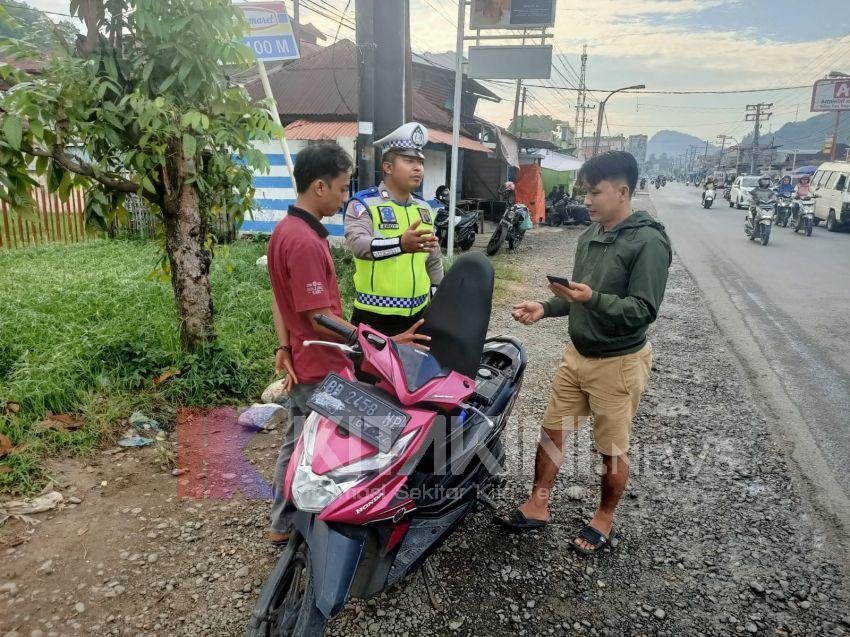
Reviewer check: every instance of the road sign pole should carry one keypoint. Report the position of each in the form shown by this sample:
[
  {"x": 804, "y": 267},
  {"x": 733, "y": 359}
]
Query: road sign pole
[
  {"x": 287, "y": 156},
  {"x": 461, "y": 26}
]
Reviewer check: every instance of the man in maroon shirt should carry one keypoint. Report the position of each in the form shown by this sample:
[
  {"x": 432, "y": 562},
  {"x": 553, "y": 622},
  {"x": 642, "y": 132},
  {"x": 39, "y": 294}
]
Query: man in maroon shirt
[{"x": 304, "y": 284}]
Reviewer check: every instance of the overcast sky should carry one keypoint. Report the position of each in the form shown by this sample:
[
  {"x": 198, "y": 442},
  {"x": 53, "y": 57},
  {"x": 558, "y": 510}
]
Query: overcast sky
[{"x": 669, "y": 45}]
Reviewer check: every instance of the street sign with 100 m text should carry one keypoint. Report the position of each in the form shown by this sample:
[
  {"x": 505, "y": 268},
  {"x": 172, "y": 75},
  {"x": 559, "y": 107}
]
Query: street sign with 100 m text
[{"x": 272, "y": 37}]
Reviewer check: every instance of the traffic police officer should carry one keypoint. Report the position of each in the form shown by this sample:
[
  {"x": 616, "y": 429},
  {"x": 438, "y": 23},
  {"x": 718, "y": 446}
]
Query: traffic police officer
[{"x": 390, "y": 232}]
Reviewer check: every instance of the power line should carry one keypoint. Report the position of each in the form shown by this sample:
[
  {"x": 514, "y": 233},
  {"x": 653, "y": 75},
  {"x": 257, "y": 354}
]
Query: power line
[{"x": 725, "y": 92}]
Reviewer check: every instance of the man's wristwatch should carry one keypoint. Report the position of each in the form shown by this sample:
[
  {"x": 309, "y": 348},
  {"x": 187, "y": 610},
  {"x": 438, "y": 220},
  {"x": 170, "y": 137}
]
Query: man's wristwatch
[{"x": 285, "y": 348}]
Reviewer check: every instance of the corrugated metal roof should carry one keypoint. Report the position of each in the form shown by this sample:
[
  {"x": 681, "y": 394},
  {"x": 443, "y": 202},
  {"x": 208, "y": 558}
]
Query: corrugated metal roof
[
  {"x": 324, "y": 84},
  {"x": 314, "y": 131},
  {"x": 440, "y": 137},
  {"x": 318, "y": 131}
]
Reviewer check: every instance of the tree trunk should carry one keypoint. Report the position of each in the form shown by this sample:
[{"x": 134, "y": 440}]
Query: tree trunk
[{"x": 190, "y": 266}]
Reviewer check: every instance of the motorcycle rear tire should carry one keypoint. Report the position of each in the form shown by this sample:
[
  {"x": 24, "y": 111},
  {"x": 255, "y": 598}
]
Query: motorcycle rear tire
[
  {"x": 496, "y": 241},
  {"x": 808, "y": 230},
  {"x": 309, "y": 621},
  {"x": 466, "y": 245},
  {"x": 765, "y": 237}
]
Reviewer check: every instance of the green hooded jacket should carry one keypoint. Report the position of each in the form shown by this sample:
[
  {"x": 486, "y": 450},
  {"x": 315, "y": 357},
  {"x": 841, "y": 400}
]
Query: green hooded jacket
[{"x": 626, "y": 268}]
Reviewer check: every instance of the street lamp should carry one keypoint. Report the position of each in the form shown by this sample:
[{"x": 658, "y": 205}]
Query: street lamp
[{"x": 601, "y": 114}]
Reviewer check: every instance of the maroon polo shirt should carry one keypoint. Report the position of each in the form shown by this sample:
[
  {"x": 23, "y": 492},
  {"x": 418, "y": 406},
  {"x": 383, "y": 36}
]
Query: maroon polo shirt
[{"x": 303, "y": 278}]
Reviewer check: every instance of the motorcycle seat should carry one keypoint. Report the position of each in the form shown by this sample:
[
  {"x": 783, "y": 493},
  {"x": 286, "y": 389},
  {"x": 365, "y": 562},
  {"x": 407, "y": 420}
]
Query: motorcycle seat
[{"x": 459, "y": 315}]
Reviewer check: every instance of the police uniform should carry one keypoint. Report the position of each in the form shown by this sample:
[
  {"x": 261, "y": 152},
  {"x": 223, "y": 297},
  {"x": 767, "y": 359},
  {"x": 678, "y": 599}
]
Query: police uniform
[{"x": 393, "y": 288}]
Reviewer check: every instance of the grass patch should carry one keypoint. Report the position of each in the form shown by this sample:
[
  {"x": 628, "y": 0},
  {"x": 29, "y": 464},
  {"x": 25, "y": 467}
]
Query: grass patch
[
  {"x": 508, "y": 281},
  {"x": 83, "y": 330}
]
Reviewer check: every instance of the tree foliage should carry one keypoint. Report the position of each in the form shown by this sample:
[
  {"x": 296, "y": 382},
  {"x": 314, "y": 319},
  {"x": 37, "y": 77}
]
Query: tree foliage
[
  {"x": 535, "y": 124},
  {"x": 21, "y": 22},
  {"x": 142, "y": 104}
]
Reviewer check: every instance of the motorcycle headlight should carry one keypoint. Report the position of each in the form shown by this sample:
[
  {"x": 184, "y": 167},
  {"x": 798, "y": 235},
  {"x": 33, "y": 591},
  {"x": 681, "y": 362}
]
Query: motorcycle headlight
[{"x": 312, "y": 492}]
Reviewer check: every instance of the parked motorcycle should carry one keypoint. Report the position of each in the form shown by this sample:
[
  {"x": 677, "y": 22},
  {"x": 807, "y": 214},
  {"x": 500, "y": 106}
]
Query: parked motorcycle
[
  {"x": 784, "y": 208},
  {"x": 760, "y": 221},
  {"x": 568, "y": 211},
  {"x": 727, "y": 194},
  {"x": 804, "y": 216},
  {"x": 384, "y": 473},
  {"x": 510, "y": 228},
  {"x": 466, "y": 223},
  {"x": 708, "y": 198}
]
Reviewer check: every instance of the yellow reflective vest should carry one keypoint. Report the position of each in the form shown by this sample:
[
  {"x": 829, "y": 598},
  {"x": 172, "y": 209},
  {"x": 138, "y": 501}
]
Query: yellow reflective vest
[{"x": 398, "y": 285}]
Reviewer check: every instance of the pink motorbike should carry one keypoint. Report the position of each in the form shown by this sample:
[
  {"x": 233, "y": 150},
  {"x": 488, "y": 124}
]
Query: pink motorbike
[{"x": 392, "y": 460}]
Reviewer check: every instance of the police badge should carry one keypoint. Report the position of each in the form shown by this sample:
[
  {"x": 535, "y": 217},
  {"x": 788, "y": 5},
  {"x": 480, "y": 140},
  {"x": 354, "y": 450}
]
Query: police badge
[
  {"x": 425, "y": 215},
  {"x": 418, "y": 137},
  {"x": 388, "y": 218}
]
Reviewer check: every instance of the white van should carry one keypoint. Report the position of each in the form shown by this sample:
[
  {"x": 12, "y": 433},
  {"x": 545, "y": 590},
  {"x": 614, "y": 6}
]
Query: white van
[{"x": 832, "y": 195}]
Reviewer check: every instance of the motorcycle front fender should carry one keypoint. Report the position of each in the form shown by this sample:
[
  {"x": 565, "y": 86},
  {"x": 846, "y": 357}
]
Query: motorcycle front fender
[{"x": 334, "y": 558}]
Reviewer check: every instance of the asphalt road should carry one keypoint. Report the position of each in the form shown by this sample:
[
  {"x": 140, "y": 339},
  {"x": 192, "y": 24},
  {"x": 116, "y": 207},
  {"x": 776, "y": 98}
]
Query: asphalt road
[{"x": 785, "y": 311}]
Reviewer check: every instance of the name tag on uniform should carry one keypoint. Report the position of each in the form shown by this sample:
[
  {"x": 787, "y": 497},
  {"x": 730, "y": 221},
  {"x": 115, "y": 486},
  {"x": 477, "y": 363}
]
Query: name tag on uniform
[
  {"x": 425, "y": 215},
  {"x": 388, "y": 218}
]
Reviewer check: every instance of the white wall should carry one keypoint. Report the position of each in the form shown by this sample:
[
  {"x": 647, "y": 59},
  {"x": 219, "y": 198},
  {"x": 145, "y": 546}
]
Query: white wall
[{"x": 435, "y": 172}]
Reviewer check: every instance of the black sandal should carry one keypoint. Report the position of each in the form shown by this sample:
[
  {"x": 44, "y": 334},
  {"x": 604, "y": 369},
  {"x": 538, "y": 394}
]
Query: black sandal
[
  {"x": 597, "y": 540},
  {"x": 518, "y": 523}
]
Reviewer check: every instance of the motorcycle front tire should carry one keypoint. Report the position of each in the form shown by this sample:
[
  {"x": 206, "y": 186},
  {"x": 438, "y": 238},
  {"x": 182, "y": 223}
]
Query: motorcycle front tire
[
  {"x": 808, "y": 229},
  {"x": 496, "y": 241},
  {"x": 765, "y": 237},
  {"x": 280, "y": 584},
  {"x": 467, "y": 244}
]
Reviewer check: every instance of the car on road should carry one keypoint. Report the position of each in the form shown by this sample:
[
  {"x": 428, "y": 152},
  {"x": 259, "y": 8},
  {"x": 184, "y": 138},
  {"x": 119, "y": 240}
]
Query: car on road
[
  {"x": 739, "y": 197},
  {"x": 832, "y": 195}
]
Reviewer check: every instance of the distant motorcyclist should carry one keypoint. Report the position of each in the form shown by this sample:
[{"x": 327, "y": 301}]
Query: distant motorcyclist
[
  {"x": 804, "y": 188},
  {"x": 786, "y": 188},
  {"x": 762, "y": 193},
  {"x": 708, "y": 185},
  {"x": 801, "y": 191}
]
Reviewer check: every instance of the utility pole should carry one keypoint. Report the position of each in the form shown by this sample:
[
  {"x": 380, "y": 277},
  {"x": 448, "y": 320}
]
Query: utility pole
[
  {"x": 522, "y": 117},
  {"x": 835, "y": 135},
  {"x": 366, "y": 70},
  {"x": 722, "y": 139},
  {"x": 389, "y": 31},
  {"x": 296, "y": 11},
  {"x": 755, "y": 113},
  {"x": 705, "y": 159},
  {"x": 581, "y": 99},
  {"x": 516, "y": 104}
]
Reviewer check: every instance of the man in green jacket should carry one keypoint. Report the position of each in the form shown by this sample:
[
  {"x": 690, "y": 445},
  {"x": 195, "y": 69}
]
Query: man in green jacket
[{"x": 616, "y": 288}]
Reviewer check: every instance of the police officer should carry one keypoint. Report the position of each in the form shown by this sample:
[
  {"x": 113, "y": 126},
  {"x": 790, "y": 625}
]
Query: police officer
[{"x": 391, "y": 233}]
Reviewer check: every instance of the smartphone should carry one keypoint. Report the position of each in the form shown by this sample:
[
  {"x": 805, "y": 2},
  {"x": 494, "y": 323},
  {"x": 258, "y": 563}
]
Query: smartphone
[{"x": 559, "y": 280}]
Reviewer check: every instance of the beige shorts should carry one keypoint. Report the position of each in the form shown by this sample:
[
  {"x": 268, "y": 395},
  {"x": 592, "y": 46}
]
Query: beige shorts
[{"x": 608, "y": 388}]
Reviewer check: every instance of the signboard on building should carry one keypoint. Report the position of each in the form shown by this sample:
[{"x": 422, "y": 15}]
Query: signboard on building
[
  {"x": 272, "y": 37},
  {"x": 512, "y": 14},
  {"x": 510, "y": 62},
  {"x": 831, "y": 95}
]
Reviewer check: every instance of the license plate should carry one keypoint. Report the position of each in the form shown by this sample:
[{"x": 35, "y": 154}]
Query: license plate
[{"x": 359, "y": 411}]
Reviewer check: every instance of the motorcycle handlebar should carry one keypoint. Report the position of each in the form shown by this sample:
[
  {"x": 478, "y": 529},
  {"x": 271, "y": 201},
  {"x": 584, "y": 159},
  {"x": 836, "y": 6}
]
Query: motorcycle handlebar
[{"x": 336, "y": 327}]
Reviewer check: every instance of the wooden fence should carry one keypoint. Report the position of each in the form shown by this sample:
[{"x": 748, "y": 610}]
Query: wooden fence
[{"x": 55, "y": 221}]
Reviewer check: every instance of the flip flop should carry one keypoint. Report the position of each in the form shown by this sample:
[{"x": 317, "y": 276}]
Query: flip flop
[
  {"x": 518, "y": 523},
  {"x": 594, "y": 537}
]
